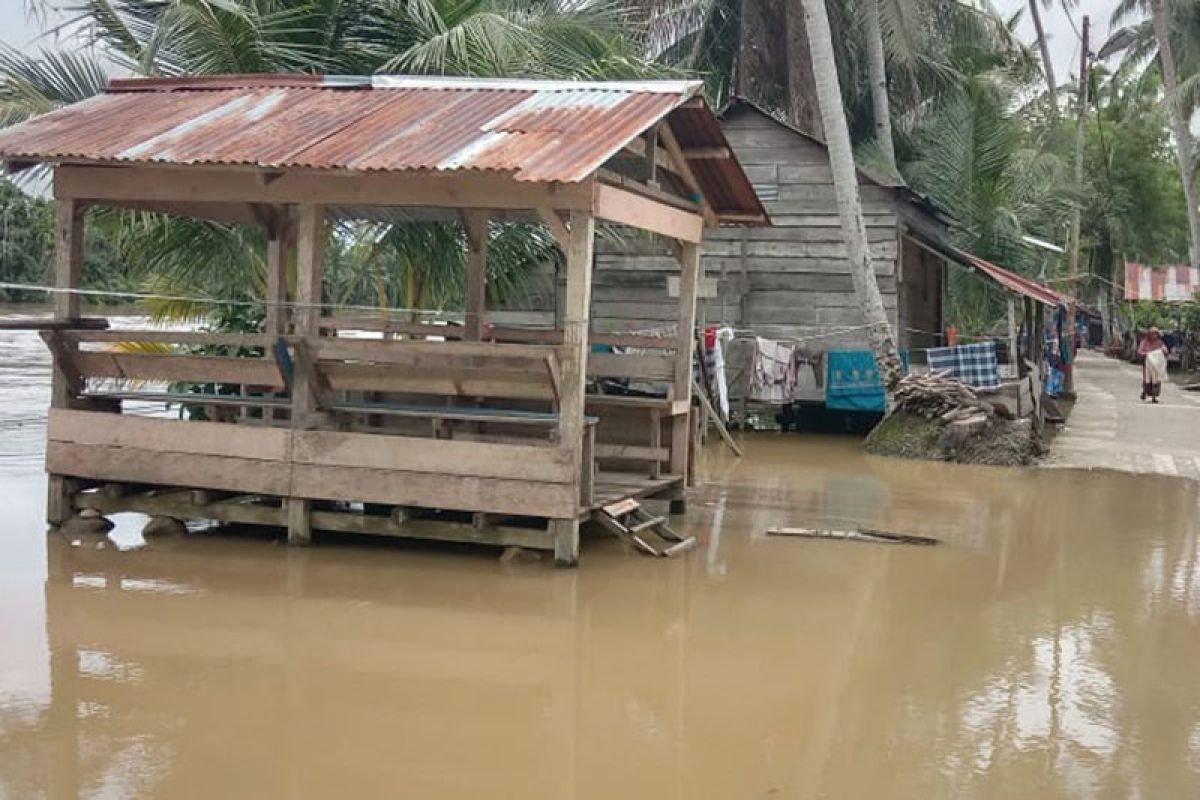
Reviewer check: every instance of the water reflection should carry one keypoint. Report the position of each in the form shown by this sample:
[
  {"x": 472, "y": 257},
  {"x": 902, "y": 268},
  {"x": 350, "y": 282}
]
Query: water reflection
[{"x": 1047, "y": 649}]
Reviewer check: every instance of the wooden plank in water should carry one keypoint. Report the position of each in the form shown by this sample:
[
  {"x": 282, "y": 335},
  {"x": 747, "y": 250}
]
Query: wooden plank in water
[
  {"x": 433, "y": 456},
  {"x": 494, "y": 495},
  {"x": 168, "y": 435},
  {"x": 141, "y": 465}
]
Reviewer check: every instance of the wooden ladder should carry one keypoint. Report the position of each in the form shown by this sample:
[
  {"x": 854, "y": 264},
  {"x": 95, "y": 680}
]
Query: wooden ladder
[{"x": 629, "y": 521}]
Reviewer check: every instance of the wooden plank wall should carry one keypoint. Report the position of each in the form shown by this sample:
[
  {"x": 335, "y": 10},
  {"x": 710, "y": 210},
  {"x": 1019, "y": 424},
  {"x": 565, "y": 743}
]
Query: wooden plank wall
[
  {"x": 789, "y": 280},
  {"x": 398, "y": 470}
]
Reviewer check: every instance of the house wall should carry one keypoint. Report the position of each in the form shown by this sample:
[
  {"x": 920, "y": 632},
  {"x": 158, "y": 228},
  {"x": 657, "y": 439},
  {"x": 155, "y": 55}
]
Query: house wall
[{"x": 789, "y": 280}]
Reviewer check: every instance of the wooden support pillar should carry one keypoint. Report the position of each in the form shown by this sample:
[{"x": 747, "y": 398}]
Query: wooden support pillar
[
  {"x": 307, "y": 314},
  {"x": 68, "y": 274},
  {"x": 299, "y": 521},
  {"x": 476, "y": 224},
  {"x": 279, "y": 252},
  {"x": 689, "y": 281},
  {"x": 576, "y": 323},
  {"x": 1014, "y": 356}
]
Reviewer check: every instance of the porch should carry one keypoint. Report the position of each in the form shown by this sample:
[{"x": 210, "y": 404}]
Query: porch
[{"x": 383, "y": 425}]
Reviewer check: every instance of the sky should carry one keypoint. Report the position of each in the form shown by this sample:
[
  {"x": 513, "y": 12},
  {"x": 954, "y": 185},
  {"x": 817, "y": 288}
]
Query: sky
[{"x": 18, "y": 30}]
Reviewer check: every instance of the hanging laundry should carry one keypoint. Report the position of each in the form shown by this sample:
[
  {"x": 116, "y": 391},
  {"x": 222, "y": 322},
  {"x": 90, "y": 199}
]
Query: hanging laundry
[
  {"x": 973, "y": 364},
  {"x": 773, "y": 372},
  {"x": 814, "y": 360},
  {"x": 716, "y": 364},
  {"x": 853, "y": 382}
]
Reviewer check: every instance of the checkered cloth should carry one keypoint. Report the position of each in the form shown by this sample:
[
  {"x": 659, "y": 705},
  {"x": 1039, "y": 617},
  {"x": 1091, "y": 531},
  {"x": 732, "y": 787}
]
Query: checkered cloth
[{"x": 973, "y": 364}]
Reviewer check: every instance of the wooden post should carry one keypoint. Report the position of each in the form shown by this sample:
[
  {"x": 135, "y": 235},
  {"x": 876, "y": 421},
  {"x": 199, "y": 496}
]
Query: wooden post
[
  {"x": 309, "y": 271},
  {"x": 476, "y": 224},
  {"x": 689, "y": 280},
  {"x": 278, "y": 253},
  {"x": 1014, "y": 357},
  {"x": 576, "y": 318},
  {"x": 68, "y": 272}
]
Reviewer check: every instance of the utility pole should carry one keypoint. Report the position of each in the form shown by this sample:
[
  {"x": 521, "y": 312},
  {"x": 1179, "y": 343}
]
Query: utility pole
[{"x": 1080, "y": 130}]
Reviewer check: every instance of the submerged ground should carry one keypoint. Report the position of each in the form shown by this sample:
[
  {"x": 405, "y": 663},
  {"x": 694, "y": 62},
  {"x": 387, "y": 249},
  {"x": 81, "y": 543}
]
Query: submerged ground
[{"x": 1047, "y": 649}]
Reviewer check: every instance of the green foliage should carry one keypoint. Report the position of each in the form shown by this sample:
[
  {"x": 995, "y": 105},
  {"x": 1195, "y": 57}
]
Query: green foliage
[
  {"x": 27, "y": 250},
  {"x": 405, "y": 264}
]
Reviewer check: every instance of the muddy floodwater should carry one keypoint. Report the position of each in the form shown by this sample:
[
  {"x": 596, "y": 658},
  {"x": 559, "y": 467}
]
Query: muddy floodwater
[{"x": 1049, "y": 648}]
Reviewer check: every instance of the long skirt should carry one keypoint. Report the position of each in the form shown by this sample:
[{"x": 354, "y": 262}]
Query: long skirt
[{"x": 1154, "y": 372}]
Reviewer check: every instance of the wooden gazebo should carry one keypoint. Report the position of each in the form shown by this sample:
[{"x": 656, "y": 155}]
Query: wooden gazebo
[{"x": 474, "y": 432}]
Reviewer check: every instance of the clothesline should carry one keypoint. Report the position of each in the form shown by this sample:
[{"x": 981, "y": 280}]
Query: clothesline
[{"x": 57, "y": 290}]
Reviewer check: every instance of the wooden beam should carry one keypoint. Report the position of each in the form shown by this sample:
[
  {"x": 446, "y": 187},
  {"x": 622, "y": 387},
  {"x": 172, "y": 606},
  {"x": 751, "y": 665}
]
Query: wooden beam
[
  {"x": 476, "y": 223},
  {"x": 68, "y": 269},
  {"x": 280, "y": 245},
  {"x": 223, "y": 185},
  {"x": 689, "y": 177},
  {"x": 309, "y": 274},
  {"x": 574, "y": 366},
  {"x": 707, "y": 153},
  {"x": 558, "y": 229},
  {"x": 68, "y": 257},
  {"x": 234, "y": 213},
  {"x": 652, "y": 150},
  {"x": 689, "y": 281},
  {"x": 627, "y": 208},
  {"x": 657, "y": 193}
]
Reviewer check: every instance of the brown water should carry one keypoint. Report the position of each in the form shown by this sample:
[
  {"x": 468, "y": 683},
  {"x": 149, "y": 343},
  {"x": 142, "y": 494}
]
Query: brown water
[{"x": 1049, "y": 648}]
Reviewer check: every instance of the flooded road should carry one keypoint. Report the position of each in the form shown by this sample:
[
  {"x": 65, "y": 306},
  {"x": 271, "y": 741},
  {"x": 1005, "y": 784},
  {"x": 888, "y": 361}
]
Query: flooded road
[{"x": 1047, "y": 649}]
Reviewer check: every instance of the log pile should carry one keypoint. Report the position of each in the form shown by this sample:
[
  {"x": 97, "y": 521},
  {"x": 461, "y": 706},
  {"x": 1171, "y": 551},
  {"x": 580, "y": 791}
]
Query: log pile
[
  {"x": 937, "y": 395},
  {"x": 952, "y": 403}
]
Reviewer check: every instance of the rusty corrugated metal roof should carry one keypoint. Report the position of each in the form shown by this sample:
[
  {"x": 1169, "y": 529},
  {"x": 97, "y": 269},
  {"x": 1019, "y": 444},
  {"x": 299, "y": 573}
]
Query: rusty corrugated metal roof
[
  {"x": 539, "y": 131},
  {"x": 1172, "y": 284}
]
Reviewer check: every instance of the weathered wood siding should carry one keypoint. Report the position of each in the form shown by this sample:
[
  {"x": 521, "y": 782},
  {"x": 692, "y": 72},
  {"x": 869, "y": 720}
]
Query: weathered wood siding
[{"x": 790, "y": 280}]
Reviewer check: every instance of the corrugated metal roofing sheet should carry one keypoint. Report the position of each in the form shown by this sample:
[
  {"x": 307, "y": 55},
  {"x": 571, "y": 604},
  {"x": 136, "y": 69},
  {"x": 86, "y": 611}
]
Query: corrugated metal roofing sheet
[
  {"x": 541, "y": 131},
  {"x": 1013, "y": 282},
  {"x": 1173, "y": 284}
]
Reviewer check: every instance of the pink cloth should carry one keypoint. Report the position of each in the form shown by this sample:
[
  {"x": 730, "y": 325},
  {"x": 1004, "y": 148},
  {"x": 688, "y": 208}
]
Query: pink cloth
[{"x": 1148, "y": 344}]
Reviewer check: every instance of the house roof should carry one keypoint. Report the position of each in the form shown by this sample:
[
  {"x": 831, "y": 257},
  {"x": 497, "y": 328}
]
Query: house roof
[
  {"x": 1173, "y": 284},
  {"x": 535, "y": 131},
  {"x": 1012, "y": 281},
  {"x": 894, "y": 182}
]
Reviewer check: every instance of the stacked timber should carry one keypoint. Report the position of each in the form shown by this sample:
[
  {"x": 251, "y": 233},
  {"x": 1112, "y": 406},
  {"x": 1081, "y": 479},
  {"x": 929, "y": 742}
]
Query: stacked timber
[{"x": 937, "y": 396}]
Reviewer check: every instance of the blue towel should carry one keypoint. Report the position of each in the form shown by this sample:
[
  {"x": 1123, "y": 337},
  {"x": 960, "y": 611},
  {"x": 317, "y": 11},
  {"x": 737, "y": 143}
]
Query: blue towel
[{"x": 852, "y": 381}]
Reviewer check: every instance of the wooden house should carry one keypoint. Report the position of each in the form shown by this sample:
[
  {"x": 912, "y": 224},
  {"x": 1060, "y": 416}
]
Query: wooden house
[
  {"x": 478, "y": 433},
  {"x": 790, "y": 280}
]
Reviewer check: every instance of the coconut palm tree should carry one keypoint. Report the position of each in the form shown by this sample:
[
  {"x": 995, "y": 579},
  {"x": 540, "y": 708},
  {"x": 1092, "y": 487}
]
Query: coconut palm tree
[
  {"x": 1159, "y": 34},
  {"x": 845, "y": 178},
  {"x": 542, "y": 38}
]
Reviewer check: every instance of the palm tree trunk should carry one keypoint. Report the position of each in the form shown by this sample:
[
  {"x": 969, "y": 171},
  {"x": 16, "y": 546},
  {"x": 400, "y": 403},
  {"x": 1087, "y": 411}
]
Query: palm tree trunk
[
  {"x": 845, "y": 181},
  {"x": 1047, "y": 63},
  {"x": 877, "y": 77},
  {"x": 802, "y": 111},
  {"x": 1179, "y": 127}
]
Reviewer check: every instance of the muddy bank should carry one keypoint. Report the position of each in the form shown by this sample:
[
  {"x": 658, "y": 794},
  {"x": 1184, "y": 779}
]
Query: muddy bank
[{"x": 1001, "y": 442}]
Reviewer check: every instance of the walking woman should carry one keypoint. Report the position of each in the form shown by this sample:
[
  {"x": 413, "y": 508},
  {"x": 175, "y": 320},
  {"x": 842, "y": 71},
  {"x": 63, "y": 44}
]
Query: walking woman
[{"x": 1154, "y": 364}]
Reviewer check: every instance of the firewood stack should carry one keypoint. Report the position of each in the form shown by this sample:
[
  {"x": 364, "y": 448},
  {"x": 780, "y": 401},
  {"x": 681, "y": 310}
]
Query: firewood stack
[{"x": 937, "y": 395}]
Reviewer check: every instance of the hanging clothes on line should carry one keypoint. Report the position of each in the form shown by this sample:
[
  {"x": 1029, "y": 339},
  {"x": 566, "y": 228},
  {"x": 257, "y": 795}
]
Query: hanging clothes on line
[
  {"x": 714, "y": 360},
  {"x": 854, "y": 383},
  {"x": 814, "y": 360},
  {"x": 773, "y": 372},
  {"x": 973, "y": 364}
]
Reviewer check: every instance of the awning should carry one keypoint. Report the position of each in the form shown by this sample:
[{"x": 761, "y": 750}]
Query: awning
[
  {"x": 1007, "y": 279},
  {"x": 1013, "y": 282}
]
